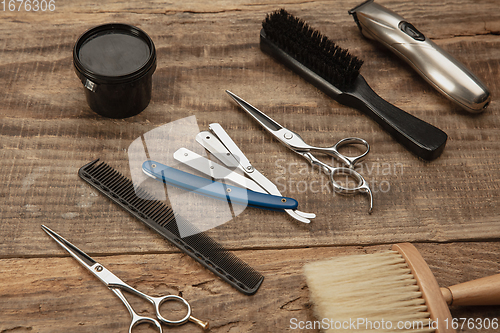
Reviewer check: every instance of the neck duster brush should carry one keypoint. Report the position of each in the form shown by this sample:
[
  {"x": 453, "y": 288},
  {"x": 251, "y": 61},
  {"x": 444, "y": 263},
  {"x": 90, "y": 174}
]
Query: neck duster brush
[
  {"x": 391, "y": 291},
  {"x": 334, "y": 71}
]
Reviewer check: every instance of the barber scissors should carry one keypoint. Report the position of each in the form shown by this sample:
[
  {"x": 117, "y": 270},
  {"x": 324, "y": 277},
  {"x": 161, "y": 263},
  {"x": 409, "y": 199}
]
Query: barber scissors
[
  {"x": 116, "y": 285},
  {"x": 293, "y": 141}
]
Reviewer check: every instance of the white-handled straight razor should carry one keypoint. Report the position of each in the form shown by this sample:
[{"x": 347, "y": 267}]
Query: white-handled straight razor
[{"x": 214, "y": 170}]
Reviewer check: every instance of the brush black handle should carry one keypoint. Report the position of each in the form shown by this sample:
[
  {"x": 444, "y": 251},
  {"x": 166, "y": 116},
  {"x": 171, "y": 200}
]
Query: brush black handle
[{"x": 419, "y": 137}]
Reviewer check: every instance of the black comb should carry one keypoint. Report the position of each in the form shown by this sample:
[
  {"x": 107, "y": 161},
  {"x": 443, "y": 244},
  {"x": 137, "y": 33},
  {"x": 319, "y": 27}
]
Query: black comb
[
  {"x": 336, "y": 72},
  {"x": 161, "y": 218}
]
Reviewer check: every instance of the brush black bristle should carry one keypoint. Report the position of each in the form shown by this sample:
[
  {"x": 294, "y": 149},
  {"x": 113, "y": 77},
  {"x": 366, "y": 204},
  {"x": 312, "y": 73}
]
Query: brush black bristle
[
  {"x": 163, "y": 220},
  {"x": 312, "y": 49}
]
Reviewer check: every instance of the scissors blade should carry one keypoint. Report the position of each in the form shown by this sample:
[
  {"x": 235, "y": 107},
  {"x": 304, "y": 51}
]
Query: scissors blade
[
  {"x": 78, "y": 254},
  {"x": 103, "y": 274},
  {"x": 268, "y": 123},
  {"x": 287, "y": 137}
]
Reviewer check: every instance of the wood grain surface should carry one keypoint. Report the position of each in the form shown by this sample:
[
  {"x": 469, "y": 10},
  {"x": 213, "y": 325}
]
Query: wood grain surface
[{"x": 449, "y": 207}]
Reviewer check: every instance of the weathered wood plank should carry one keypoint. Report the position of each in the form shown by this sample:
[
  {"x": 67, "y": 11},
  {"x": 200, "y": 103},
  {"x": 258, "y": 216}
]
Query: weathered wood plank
[
  {"x": 57, "y": 295},
  {"x": 48, "y": 131}
]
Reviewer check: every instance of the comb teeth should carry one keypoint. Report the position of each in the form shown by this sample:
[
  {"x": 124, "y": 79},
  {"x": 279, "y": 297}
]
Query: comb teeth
[
  {"x": 161, "y": 218},
  {"x": 312, "y": 49}
]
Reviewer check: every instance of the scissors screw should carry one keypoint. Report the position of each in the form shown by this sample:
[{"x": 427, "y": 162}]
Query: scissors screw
[
  {"x": 153, "y": 166},
  {"x": 283, "y": 200},
  {"x": 98, "y": 268},
  {"x": 288, "y": 135},
  {"x": 249, "y": 168},
  {"x": 228, "y": 190}
]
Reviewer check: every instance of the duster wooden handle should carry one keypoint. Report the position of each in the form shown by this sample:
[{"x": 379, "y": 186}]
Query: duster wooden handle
[{"x": 484, "y": 291}]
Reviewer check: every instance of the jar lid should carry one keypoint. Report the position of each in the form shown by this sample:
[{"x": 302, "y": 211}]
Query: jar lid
[{"x": 114, "y": 53}]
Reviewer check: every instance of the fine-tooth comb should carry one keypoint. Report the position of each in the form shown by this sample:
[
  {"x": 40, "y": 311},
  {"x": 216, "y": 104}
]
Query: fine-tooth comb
[{"x": 161, "y": 218}]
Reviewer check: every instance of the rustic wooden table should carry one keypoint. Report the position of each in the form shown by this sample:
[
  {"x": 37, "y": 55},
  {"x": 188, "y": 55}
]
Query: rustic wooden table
[{"x": 449, "y": 208}]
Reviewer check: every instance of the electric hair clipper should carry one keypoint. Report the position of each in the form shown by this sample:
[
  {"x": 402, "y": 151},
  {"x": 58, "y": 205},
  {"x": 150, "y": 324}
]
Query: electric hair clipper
[{"x": 434, "y": 64}]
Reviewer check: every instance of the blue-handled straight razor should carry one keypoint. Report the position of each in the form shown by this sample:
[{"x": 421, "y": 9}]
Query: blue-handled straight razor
[{"x": 214, "y": 189}]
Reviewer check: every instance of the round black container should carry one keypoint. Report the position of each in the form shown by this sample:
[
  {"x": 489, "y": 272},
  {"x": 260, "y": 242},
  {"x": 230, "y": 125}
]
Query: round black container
[{"x": 115, "y": 63}]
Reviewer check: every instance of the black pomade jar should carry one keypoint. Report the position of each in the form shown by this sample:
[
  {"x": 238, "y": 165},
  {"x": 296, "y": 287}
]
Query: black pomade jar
[{"x": 115, "y": 63}]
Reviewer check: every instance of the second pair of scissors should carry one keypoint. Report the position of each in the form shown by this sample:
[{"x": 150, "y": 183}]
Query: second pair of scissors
[
  {"x": 116, "y": 285},
  {"x": 293, "y": 141}
]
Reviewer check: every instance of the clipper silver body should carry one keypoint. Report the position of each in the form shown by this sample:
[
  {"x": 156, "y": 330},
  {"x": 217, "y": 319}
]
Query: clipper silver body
[{"x": 434, "y": 64}]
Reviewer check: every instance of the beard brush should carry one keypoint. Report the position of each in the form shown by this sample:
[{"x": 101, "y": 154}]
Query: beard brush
[
  {"x": 390, "y": 291},
  {"x": 336, "y": 72}
]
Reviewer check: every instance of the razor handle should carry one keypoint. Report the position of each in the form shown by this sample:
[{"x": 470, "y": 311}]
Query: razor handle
[{"x": 435, "y": 65}]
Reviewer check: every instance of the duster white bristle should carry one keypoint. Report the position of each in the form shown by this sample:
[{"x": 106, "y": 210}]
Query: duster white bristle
[{"x": 366, "y": 293}]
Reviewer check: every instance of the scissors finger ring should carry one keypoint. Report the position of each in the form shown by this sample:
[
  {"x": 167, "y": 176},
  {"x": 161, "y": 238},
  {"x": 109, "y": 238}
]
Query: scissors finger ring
[
  {"x": 362, "y": 185},
  {"x": 348, "y": 160},
  {"x": 136, "y": 319}
]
